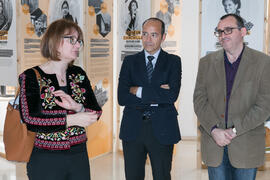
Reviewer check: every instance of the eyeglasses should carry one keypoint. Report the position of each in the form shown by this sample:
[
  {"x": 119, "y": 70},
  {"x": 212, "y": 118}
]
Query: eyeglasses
[
  {"x": 226, "y": 31},
  {"x": 73, "y": 40}
]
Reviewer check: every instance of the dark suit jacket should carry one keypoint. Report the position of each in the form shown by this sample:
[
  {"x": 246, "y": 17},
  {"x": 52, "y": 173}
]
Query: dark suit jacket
[
  {"x": 107, "y": 27},
  {"x": 249, "y": 107},
  {"x": 164, "y": 117}
]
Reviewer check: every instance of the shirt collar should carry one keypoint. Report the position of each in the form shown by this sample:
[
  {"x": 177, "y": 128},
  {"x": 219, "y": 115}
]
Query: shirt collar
[
  {"x": 155, "y": 55},
  {"x": 237, "y": 60}
]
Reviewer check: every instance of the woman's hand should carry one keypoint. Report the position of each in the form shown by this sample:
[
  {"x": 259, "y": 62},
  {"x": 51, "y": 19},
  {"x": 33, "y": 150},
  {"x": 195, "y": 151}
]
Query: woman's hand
[
  {"x": 82, "y": 119},
  {"x": 67, "y": 102}
]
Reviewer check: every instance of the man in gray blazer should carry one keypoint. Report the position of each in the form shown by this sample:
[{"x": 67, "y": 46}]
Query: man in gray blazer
[{"x": 232, "y": 102}]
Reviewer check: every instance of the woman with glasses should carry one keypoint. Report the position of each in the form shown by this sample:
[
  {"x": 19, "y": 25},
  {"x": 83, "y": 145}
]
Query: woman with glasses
[{"x": 58, "y": 106}]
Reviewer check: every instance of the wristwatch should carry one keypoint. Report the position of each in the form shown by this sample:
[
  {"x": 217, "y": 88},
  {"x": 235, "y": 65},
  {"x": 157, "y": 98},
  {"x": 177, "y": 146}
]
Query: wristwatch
[{"x": 234, "y": 130}]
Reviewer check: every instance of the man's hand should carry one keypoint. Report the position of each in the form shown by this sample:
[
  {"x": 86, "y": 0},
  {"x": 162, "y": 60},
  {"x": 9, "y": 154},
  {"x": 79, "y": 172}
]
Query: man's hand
[
  {"x": 165, "y": 86},
  {"x": 133, "y": 90},
  {"x": 222, "y": 137},
  {"x": 230, "y": 134}
]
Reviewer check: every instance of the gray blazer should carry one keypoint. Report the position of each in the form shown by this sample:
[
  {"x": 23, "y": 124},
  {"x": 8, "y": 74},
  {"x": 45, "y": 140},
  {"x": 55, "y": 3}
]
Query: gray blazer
[{"x": 249, "y": 107}]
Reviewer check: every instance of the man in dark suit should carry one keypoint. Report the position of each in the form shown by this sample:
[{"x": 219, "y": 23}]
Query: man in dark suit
[
  {"x": 232, "y": 102},
  {"x": 149, "y": 84}
]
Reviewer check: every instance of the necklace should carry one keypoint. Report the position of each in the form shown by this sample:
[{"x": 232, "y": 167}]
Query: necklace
[{"x": 62, "y": 80}]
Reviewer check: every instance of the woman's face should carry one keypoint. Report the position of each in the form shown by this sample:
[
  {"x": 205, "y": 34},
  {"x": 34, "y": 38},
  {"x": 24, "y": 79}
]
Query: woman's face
[
  {"x": 230, "y": 7},
  {"x": 133, "y": 7},
  {"x": 69, "y": 51},
  {"x": 65, "y": 9}
]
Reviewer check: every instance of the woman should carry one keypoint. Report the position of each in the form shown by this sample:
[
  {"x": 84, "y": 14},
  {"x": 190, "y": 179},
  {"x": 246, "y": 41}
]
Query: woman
[
  {"x": 233, "y": 7},
  {"x": 58, "y": 106},
  {"x": 132, "y": 18},
  {"x": 65, "y": 12}
]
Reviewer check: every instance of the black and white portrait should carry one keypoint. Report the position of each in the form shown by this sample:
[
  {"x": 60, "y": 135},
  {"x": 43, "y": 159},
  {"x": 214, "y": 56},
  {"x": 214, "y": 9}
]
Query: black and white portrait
[
  {"x": 103, "y": 20},
  {"x": 32, "y": 4},
  {"x": 133, "y": 19},
  {"x": 253, "y": 13},
  {"x": 101, "y": 94},
  {"x": 65, "y": 12},
  {"x": 37, "y": 17},
  {"x": 170, "y": 6},
  {"x": 6, "y": 14},
  {"x": 66, "y": 9},
  {"x": 233, "y": 7},
  {"x": 39, "y": 20},
  {"x": 96, "y": 4}
]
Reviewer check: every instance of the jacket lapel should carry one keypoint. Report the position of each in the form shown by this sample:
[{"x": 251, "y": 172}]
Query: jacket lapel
[
  {"x": 159, "y": 64},
  {"x": 244, "y": 65},
  {"x": 142, "y": 66},
  {"x": 220, "y": 69}
]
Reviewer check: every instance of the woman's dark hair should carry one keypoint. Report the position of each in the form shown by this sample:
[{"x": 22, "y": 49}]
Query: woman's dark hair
[
  {"x": 238, "y": 2},
  {"x": 53, "y": 37},
  {"x": 129, "y": 6},
  {"x": 64, "y": 2}
]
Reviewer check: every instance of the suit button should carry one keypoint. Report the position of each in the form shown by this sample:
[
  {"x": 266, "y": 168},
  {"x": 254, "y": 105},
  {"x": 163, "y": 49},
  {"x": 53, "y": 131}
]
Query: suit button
[{"x": 222, "y": 115}]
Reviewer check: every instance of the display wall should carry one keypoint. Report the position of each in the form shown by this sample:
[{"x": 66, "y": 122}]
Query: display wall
[
  {"x": 32, "y": 23},
  {"x": 99, "y": 64},
  {"x": 8, "y": 50},
  {"x": 95, "y": 19}
]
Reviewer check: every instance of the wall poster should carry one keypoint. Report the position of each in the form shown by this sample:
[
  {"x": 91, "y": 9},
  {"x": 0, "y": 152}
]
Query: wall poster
[
  {"x": 33, "y": 22},
  {"x": 132, "y": 13},
  {"x": 8, "y": 52},
  {"x": 253, "y": 19},
  {"x": 99, "y": 65},
  {"x": 169, "y": 12}
]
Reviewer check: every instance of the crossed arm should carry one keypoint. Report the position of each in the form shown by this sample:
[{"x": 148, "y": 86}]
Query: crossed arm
[{"x": 133, "y": 89}]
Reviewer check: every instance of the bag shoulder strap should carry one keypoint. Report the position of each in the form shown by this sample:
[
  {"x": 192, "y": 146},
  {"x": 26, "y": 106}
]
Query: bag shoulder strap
[
  {"x": 37, "y": 76},
  {"x": 18, "y": 90},
  {"x": 16, "y": 97}
]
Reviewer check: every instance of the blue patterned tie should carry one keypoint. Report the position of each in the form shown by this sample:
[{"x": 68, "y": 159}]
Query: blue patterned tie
[{"x": 149, "y": 67}]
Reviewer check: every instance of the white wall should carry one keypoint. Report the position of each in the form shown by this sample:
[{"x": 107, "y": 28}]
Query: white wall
[
  {"x": 189, "y": 52},
  {"x": 3, "y": 110}
]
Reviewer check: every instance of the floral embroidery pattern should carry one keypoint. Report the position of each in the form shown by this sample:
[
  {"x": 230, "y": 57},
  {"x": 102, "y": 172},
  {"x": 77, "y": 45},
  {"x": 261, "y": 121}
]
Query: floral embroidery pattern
[
  {"x": 77, "y": 92},
  {"x": 47, "y": 96},
  {"x": 61, "y": 135}
]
